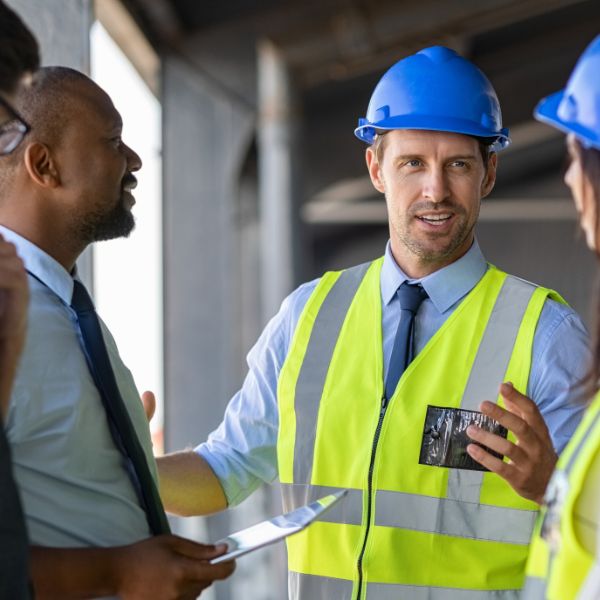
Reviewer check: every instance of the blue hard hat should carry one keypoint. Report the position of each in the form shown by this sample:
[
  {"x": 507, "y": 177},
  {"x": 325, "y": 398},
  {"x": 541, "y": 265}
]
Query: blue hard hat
[
  {"x": 576, "y": 109},
  {"x": 438, "y": 90}
]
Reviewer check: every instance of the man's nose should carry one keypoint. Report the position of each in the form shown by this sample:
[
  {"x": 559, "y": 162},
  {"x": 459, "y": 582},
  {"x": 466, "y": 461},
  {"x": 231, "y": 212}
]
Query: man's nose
[
  {"x": 134, "y": 162},
  {"x": 435, "y": 185}
]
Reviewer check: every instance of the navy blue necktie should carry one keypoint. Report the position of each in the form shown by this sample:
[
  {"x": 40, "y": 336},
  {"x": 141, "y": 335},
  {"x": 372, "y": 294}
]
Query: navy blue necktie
[
  {"x": 121, "y": 427},
  {"x": 410, "y": 296}
]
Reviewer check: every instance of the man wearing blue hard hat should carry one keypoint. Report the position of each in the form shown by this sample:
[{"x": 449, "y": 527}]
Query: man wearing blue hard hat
[
  {"x": 379, "y": 378},
  {"x": 564, "y": 562}
]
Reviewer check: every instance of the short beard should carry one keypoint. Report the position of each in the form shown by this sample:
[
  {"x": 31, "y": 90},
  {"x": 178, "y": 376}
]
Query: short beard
[
  {"x": 422, "y": 249},
  {"x": 98, "y": 227}
]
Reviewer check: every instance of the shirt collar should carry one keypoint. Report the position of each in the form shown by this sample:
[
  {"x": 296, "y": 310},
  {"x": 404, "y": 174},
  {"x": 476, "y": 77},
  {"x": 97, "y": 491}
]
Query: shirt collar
[
  {"x": 42, "y": 265},
  {"x": 444, "y": 287}
]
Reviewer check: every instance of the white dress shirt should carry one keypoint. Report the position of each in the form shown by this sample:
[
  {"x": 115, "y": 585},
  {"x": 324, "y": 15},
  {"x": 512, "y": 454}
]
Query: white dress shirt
[{"x": 75, "y": 489}]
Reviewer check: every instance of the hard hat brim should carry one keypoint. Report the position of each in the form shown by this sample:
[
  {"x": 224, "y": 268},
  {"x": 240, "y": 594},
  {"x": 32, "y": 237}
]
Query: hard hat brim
[
  {"x": 547, "y": 112},
  {"x": 367, "y": 132}
]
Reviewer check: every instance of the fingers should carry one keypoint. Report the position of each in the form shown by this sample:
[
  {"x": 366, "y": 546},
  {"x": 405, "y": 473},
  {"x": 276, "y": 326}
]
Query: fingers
[
  {"x": 497, "y": 443},
  {"x": 13, "y": 278},
  {"x": 149, "y": 404},
  {"x": 12, "y": 264},
  {"x": 202, "y": 571},
  {"x": 215, "y": 572},
  {"x": 528, "y": 411},
  {"x": 14, "y": 294},
  {"x": 12, "y": 268},
  {"x": 522, "y": 430},
  {"x": 8, "y": 252},
  {"x": 520, "y": 404},
  {"x": 531, "y": 459},
  {"x": 532, "y": 440},
  {"x": 157, "y": 568},
  {"x": 195, "y": 550},
  {"x": 492, "y": 463},
  {"x": 5, "y": 246},
  {"x": 198, "y": 555}
]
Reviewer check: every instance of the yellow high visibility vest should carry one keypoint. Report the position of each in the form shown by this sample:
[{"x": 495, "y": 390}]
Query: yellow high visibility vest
[
  {"x": 558, "y": 563},
  {"x": 405, "y": 530}
]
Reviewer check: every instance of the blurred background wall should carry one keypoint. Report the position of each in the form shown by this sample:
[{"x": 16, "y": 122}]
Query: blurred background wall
[{"x": 264, "y": 185}]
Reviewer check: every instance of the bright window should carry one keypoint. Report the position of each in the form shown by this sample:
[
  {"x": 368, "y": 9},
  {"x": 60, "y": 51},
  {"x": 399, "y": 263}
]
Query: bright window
[{"x": 128, "y": 272}]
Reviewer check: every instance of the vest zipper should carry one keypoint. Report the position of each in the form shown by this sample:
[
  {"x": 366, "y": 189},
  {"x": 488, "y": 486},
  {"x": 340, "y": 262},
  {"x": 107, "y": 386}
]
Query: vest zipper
[{"x": 384, "y": 405}]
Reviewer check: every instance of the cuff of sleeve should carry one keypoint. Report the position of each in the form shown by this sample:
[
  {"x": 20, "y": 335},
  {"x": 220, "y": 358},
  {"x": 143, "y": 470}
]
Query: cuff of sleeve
[{"x": 228, "y": 478}]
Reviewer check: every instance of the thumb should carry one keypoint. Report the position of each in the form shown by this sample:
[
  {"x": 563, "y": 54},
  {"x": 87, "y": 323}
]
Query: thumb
[{"x": 149, "y": 403}]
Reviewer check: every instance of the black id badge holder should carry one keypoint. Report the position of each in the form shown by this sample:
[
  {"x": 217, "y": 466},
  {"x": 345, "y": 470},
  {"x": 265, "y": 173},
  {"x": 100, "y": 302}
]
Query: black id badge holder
[{"x": 445, "y": 440}]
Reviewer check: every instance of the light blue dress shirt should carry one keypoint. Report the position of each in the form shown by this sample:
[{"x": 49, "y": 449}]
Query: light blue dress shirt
[
  {"x": 242, "y": 450},
  {"x": 74, "y": 486}
]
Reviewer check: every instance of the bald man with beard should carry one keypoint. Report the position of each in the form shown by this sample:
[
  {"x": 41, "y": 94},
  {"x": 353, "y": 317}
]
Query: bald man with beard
[{"x": 70, "y": 184}]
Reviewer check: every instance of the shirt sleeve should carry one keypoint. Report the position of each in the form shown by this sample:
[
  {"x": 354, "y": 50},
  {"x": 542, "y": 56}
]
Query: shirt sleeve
[
  {"x": 561, "y": 360},
  {"x": 242, "y": 451}
]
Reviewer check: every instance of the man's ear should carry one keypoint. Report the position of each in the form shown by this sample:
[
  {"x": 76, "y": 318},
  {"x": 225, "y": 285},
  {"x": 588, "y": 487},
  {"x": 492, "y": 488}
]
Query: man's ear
[
  {"x": 374, "y": 170},
  {"x": 41, "y": 166},
  {"x": 487, "y": 185}
]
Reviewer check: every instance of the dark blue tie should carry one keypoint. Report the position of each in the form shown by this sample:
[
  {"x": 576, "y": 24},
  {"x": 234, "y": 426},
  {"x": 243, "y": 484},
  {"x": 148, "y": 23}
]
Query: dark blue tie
[
  {"x": 119, "y": 420},
  {"x": 410, "y": 296}
]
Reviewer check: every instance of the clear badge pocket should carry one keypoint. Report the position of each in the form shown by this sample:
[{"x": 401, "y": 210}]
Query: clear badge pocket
[{"x": 445, "y": 440}]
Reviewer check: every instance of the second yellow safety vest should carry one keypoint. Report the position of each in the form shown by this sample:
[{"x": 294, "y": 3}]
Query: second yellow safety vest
[
  {"x": 405, "y": 530},
  {"x": 558, "y": 563}
]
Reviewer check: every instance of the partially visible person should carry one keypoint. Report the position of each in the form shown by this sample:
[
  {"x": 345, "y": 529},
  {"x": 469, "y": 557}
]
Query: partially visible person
[
  {"x": 363, "y": 379},
  {"x": 564, "y": 561},
  {"x": 18, "y": 57},
  {"x": 82, "y": 453}
]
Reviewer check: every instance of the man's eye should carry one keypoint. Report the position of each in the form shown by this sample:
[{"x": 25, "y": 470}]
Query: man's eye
[
  {"x": 414, "y": 163},
  {"x": 459, "y": 163}
]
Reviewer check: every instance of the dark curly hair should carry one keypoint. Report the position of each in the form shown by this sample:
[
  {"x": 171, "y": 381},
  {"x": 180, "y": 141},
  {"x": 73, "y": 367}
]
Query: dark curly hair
[{"x": 19, "y": 52}]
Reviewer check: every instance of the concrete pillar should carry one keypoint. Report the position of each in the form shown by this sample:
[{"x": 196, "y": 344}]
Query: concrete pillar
[
  {"x": 206, "y": 135},
  {"x": 62, "y": 29},
  {"x": 279, "y": 180},
  {"x": 210, "y": 282}
]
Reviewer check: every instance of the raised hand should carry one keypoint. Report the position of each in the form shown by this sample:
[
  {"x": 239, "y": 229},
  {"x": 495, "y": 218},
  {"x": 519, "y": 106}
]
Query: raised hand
[{"x": 531, "y": 459}]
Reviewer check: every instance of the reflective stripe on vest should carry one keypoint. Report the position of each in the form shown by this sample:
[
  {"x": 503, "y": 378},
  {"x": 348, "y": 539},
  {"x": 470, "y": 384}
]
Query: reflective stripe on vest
[
  {"x": 422, "y": 513},
  {"x": 542, "y": 559},
  {"x": 534, "y": 588},
  {"x": 313, "y": 587},
  {"x": 489, "y": 367},
  {"x": 476, "y": 513},
  {"x": 316, "y": 363}
]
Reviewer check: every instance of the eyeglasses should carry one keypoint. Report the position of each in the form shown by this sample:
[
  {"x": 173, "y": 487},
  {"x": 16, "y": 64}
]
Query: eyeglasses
[{"x": 13, "y": 130}]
